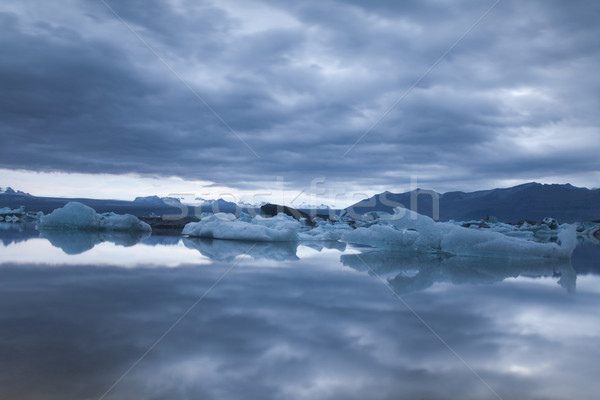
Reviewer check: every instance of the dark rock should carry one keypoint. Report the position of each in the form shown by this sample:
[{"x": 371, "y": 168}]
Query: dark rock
[
  {"x": 163, "y": 226},
  {"x": 271, "y": 210},
  {"x": 550, "y": 223}
]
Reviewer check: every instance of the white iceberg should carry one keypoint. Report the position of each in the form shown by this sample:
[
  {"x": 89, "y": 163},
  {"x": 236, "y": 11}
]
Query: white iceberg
[
  {"x": 78, "y": 216},
  {"x": 281, "y": 228},
  {"x": 325, "y": 232},
  {"x": 409, "y": 231},
  {"x": 403, "y": 231}
]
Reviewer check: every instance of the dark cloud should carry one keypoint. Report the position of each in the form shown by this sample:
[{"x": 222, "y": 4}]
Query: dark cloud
[{"x": 300, "y": 84}]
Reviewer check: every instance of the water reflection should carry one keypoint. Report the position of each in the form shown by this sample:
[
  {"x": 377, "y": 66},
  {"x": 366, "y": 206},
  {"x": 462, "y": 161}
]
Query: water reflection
[
  {"x": 77, "y": 242},
  {"x": 410, "y": 272},
  {"x": 15, "y": 232},
  {"x": 228, "y": 250},
  {"x": 303, "y": 332},
  {"x": 72, "y": 324},
  {"x": 327, "y": 244}
]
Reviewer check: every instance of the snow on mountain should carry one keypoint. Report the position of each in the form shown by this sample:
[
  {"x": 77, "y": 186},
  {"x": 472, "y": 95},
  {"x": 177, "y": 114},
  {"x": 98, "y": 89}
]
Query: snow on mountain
[{"x": 10, "y": 191}]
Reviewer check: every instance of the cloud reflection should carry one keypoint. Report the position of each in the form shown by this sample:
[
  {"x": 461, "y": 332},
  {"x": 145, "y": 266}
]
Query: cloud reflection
[{"x": 301, "y": 332}]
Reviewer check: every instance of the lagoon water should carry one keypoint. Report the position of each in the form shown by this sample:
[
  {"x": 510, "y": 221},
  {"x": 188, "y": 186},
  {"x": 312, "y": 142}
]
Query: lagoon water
[{"x": 89, "y": 316}]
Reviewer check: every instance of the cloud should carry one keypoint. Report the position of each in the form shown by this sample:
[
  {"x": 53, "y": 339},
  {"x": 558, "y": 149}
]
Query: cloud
[{"x": 300, "y": 84}]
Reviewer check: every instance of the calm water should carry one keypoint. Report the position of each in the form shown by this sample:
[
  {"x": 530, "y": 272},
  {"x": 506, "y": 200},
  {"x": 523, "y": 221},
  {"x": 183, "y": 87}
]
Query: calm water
[{"x": 273, "y": 321}]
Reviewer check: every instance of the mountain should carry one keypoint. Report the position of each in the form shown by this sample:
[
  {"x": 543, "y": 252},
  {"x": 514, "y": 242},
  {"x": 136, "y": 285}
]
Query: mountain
[
  {"x": 532, "y": 201},
  {"x": 169, "y": 207},
  {"x": 219, "y": 205},
  {"x": 11, "y": 191}
]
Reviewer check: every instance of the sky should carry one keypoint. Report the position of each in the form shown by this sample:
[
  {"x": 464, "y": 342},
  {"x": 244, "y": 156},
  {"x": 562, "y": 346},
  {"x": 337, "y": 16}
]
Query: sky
[{"x": 303, "y": 102}]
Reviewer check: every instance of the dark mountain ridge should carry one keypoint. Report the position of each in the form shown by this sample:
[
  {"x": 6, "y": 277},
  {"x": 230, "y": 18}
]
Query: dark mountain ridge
[{"x": 532, "y": 201}]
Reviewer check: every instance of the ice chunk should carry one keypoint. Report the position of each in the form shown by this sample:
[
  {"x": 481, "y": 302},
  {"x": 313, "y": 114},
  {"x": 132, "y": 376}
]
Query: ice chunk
[
  {"x": 326, "y": 232},
  {"x": 75, "y": 215},
  {"x": 409, "y": 231},
  {"x": 405, "y": 230},
  {"x": 9, "y": 215},
  {"x": 280, "y": 228},
  {"x": 466, "y": 242}
]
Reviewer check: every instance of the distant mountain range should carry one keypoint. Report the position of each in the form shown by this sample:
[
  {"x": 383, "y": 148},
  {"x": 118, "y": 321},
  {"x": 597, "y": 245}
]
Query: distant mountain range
[
  {"x": 530, "y": 201},
  {"x": 141, "y": 206}
]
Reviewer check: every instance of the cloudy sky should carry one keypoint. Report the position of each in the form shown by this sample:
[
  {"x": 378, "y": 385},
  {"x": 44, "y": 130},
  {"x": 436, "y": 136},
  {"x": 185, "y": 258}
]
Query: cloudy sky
[{"x": 118, "y": 99}]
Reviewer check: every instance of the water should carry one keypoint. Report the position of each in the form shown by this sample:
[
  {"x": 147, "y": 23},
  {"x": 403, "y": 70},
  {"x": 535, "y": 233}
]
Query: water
[{"x": 169, "y": 318}]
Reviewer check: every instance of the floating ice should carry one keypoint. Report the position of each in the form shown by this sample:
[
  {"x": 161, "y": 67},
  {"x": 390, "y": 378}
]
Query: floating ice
[
  {"x": 75, "y": 215},
  {"x": 409, "y": 231},
  {"x": 15, "y": 215},
  {"x": 403, "y": 231},
  {"x": 281, "y": 228},
  {"x": 326, "y": 232}
]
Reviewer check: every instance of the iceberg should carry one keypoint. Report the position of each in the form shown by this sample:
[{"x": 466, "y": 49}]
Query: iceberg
[
  {"x": 325, "y": 232},
  {"x": 77, "y": 216},
  {"x": 409, "y": 231},
  {"x": 404, "y": 231},
  {"x": 281, "y": 228},
  {"x": 16, "y": 215}
]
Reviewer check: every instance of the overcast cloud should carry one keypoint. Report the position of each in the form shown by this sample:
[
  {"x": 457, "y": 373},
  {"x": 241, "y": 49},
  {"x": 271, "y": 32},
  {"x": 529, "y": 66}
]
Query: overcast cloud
[{"x": 515, "y": 100}]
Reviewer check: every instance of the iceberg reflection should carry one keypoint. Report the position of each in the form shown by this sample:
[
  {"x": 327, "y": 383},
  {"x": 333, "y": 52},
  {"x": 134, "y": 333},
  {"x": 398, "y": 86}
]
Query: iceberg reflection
[
  {"x": 227, "y": 250},
  {"x": 326, "y": 244},
  {"x": 76, "y": 242},
  {"x": 412, "y": 272}
]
